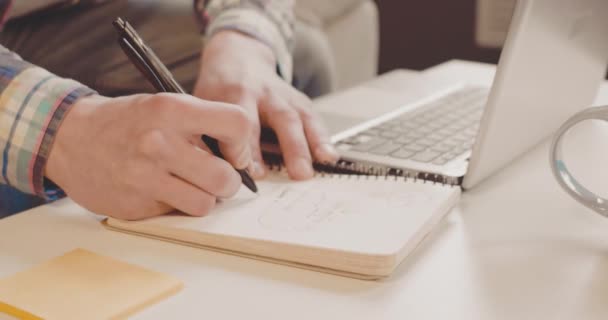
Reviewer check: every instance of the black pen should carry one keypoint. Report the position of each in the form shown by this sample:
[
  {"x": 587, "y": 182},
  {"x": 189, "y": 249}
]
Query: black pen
[{"x": 155, "y": 71}]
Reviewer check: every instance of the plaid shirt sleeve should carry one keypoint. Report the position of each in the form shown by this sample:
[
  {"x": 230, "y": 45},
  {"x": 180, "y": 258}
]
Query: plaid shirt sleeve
[
  {"x": 270, "y": 21},
  {"x": 33, "y": 103}
]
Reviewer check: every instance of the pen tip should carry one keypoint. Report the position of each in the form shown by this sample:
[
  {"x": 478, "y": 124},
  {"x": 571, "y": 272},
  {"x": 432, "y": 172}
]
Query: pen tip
[
  {"x": 253, "y": 187},
  {"x": 248, "y": 181}
]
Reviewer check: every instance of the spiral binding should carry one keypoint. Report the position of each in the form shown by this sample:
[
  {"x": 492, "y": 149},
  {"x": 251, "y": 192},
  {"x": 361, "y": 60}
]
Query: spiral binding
[{"x": 350, "y": 170}]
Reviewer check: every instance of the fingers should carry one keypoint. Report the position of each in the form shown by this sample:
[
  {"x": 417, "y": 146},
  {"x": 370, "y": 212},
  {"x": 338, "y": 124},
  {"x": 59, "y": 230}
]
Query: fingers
[
  {"x": 183, "y": 196},
  {"x": 316, "y": 134},
  {"x": 201, "y": 169},
  {"x": 196, "y": 141},
  {"x": 301, "y": 133},
  {"x": 248, "y": 103},
  {"x": 257, "y": 169},
  {"x": 288, "y": 126},
  {"x": 227, "y": 123}
]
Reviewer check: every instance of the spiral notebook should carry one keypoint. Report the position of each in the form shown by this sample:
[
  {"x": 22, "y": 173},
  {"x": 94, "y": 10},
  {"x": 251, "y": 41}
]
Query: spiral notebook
[{"x": 360, "y": 226}]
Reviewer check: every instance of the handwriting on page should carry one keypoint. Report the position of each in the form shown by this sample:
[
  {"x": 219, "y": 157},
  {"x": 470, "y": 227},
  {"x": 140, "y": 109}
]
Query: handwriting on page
[{"x": 301, "y": 209}]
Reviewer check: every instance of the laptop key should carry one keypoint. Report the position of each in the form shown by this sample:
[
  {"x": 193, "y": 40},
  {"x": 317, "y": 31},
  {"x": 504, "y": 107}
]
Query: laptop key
[
  {"x": 440, "y": 161},
  {"x": 441, "y": 147},
  {"x": 386, "y": 148},
  {"x": 461, "y": 137},
  {"x": 344, "y": 146},
  {"x": 405, "y": 140},
  {"x": 385, "y": 126},
  {"x": 361, "y": 138},
  {"x": 426, "y": 142},
  {"x": 390, "y": 134},
  {"x": 414, "y": 135},
  {"x": 351, "y": 140},
  {"x": 426, "y": 156},
  {"x": 450, "y": 155},
  {"x": 435, "y": 125},
  {"x": 459, "y": 150},
  {"x": 403, "y": 154},
  {"x": 372, "y": 143},
  {"x": 409, "y": 124},
  {"x": 425, "y": 129},
  {"x": 414, "y": 147},
  {"x": 401, "y": 129},
  {"x": 436, "y": 136},
  {"x": 453, "y": 143},
  {"x": 445, "y": 132},
  {"x": 419, "y": 120},
  {"x": 372, "y": 132}
]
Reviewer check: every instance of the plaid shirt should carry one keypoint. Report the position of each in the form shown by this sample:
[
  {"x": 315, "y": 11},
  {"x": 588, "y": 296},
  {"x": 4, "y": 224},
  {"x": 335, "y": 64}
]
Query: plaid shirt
[{"x": 33, "y": 101}]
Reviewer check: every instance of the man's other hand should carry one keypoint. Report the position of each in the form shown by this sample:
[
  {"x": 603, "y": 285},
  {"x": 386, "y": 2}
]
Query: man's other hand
[
  {"x": 140, "y": 156},
  {"x": 241, "y": 70}
]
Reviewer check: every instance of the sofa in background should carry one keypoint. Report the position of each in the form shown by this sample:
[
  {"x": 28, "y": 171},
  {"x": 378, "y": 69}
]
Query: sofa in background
[{"x": 346, "y": 34}]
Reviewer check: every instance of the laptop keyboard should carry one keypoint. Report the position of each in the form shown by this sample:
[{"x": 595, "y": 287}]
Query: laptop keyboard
[{"x": 436, "y": 133}]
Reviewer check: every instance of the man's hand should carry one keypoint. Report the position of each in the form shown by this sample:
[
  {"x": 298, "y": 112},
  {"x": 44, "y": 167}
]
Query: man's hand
[
  {"x": 241, "y": 70},
  {"x": 141, "y": 156}
]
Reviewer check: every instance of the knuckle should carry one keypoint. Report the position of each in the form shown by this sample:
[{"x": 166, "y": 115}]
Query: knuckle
[
  {"x": 160, "y": 105},
  {"x": 297, "y": 97},
  {"x": 256, "y": 130},
  {"x": 226, "y": 181},
  {"x": 306, "y": 114},
  {"x": 288, "y": 115},
  {"x": 198, "y": 204},
  {"x": 162, "y": 99},
  {"x": 240, "y": 88},
  {"x": 204, "y": 204},
  {"x": 152, "y": 144},
  {"x": 234, "y": 88},
  {"x": 240, "y": 117},
  {"x": 241, "y": 120},
  {"x": 139, "y": 98}
]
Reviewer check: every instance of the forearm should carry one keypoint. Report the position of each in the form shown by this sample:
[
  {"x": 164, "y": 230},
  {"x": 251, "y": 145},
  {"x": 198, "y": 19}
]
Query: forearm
[
  {"x": 33, "y": 103},
  {"x": 270, "y": 21}
]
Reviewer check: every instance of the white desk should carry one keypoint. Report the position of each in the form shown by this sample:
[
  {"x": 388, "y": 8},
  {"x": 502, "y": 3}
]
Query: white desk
[{"x": 516, "y": 248}]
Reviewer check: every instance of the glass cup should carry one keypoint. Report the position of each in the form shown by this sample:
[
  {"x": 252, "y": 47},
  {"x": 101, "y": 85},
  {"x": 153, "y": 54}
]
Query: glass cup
[{"x": 560, "y": 171}]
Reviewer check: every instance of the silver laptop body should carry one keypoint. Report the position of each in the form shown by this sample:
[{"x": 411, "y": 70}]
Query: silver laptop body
[{"x": 552, "y": 64}]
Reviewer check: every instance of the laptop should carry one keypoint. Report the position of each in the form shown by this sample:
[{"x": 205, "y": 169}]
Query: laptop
[{"x": 552, "y": 64}]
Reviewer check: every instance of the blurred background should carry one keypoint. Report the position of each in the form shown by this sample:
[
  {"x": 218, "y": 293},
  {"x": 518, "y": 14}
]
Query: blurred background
[
  {"x": 360, "y": 38},
  {"x": 420, "y": 34}
]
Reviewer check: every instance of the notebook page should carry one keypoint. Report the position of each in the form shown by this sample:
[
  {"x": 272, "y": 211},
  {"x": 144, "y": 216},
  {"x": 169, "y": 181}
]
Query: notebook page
[{"x": 353, "y": 214}]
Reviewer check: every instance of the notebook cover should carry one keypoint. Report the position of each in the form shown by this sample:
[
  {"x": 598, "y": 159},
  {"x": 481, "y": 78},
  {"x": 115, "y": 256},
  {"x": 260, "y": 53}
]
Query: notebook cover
[
  {"x": 295, "y": 223},
  {"x": 252, "y": 256}
]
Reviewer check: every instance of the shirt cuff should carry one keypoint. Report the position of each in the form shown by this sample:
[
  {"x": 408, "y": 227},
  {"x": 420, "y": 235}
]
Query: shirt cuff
[
  {"x": 32, "y": 106},
  {"x": 255, "y": 24}
]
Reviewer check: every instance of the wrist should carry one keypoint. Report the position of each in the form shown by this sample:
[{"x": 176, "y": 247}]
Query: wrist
[
  {"x": 239, "y": 45},
  {"x": 75, "y": 120}
]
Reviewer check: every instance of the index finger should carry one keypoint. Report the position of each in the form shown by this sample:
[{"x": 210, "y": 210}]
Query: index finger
[{"x": 225, "y": 122}]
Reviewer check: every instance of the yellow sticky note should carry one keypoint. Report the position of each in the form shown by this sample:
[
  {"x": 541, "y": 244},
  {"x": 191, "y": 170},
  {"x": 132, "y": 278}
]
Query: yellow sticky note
[{"x": 83, "y": 285}]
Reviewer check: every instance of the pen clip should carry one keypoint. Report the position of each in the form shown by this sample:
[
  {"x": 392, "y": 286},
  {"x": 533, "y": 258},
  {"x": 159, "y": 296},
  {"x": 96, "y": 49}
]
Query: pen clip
[
  {"x": 146, "y": 56},
  {"x": 141, "y": 64}
]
